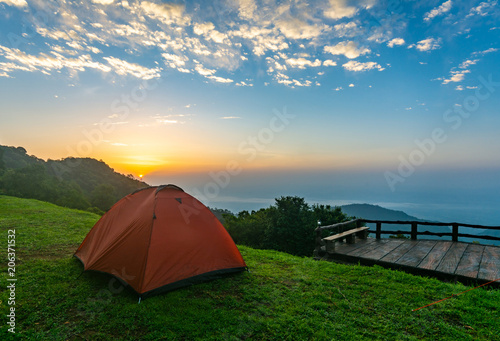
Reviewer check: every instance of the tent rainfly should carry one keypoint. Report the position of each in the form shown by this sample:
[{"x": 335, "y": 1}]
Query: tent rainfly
[{"x": 159, "y": 239}]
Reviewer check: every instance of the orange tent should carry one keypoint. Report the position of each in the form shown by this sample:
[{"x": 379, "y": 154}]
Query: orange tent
[{"x": 159, "y": 239}]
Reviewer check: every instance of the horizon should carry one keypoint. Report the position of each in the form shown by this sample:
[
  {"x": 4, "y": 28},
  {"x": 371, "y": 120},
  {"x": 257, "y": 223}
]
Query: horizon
[{"x": 369, "y": 101}]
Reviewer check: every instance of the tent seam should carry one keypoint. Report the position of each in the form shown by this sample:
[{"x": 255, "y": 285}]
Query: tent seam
[{"x": 153, "y": 218}]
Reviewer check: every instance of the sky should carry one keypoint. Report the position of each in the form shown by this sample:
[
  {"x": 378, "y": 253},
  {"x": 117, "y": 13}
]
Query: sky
[{"x": 390, "y": 101}]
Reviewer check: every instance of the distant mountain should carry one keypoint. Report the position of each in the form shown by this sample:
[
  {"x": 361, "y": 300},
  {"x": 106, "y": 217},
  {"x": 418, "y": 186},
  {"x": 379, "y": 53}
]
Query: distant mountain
[
  {"x": 82, "y": 183},
  {"x": 375, "y": 212}
]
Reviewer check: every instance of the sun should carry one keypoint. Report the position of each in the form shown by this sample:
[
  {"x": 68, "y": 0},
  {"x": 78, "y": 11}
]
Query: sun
[{"x": 141, "y": 175}]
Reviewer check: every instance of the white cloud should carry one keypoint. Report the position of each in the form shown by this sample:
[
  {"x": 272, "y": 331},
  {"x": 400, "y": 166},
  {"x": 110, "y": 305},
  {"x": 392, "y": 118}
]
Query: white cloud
[
  {"x": 445, "y": 7},
  {"x": 301, "y": 63},
  {"x": 123, "y": 67},
  {"x": 483, "y": 8},
  {"x": 338, "y": 88},
  {"x": 295, "y": 28},
  {"x": 459, "y": 88},
  {"x": 166, "y": 13},
  {"x": 428, "y": 44},
  {"x": 243, "y": 83},
  {"x": 119, "y": 144},
  {"x": 338, "y": 9},
  {"x": 220, "y": 79},
  {"x": 229, "y": 117},
  {"x": 103, "y": 2},
  {"x": 329, "y": 62},
  {"x": 16, "y": 3},
  {"x": 349, "y": 29},
  {"x": 351, "y": 85},
  {"x": 356, "y": 66},
  {"x": 175, "y": 60},
  {"x": 466, "y": 63},
  {"x": 456, "y": 76},
  {"x": 347, "y": 48},
  {"x": 203, "y": 71},
  {"x": 208, "y": 31},
  {"x": 396, "y": 41},
  {"x": 490, "y": 50}
]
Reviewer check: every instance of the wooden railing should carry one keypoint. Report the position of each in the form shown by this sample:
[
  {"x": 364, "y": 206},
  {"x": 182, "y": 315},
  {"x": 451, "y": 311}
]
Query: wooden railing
[{"x": 454, "y": 234}]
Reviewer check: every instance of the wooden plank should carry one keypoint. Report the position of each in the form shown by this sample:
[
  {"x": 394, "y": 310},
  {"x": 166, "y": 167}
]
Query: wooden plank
[
  {"x": 415, "y": 256},
  {"x": 344, "y": 248},
  {"x": 383, "y": 249},
  {"x": 432, "y": 260},
  {"x": 346, "y": 233},
  {"x": 398, "y": 252},
  {"x": 450, "y": 261},
  {"x": 367, "y": 248},
  {"x": 489, "y": 268},
  {"x": 469, "y": 264}
]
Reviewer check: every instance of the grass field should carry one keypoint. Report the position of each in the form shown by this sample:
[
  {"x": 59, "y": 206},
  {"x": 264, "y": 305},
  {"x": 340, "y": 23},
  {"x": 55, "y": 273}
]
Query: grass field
[{"x": 282, "y": 297}]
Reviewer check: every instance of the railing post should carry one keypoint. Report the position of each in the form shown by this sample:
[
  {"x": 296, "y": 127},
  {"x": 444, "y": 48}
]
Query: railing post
[
  {"x": 454, "y": 232},
  {"x": 414, "y": 231},
  {"x": 378, "y": 230}
]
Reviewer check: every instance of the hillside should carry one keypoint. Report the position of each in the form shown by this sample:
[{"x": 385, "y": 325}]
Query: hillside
[
  {"x": 73, "y": 182},
  {"x": 376, "y": 212},
  {"x": 282, "y": 297}
]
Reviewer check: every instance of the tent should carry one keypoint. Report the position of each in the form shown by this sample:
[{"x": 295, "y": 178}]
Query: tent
[{"x": 159, "y": 239}]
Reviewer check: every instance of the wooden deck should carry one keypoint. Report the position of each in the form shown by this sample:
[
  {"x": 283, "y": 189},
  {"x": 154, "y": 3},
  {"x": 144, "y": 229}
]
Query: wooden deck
[{"x": 469, "y": 263}]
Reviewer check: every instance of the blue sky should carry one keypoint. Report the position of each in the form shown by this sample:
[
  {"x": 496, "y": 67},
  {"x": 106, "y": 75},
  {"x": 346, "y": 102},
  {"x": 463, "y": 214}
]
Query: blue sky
[{"x": 169, "y": 89}]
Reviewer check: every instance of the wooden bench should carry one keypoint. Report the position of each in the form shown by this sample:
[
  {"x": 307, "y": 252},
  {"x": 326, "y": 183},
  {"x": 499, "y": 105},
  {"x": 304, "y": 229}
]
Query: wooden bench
[{"x": 360, "y": 232}]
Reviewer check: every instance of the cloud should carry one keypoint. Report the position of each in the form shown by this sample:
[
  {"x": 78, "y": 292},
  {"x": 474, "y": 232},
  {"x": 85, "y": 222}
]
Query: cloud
[
  {"x": 103, "y": 2},
  {"x": 338, "y": 9},
  {"x": 242, "y": 83},
  {"x": 483, "y": 8},
  {"x": 445, "y": 7},
  {"x": 466, "y": 63},
  {"x": 428, "y": 44},
  {"x": 456, "y": 76},
  {"x": 351, "y": 85},
  {"x": 220, "y": 79},
  {"x": 229, "y": 117},
  {"x": 347, "y": 48},
  {"x": 349, "y": 29},
  {"x": 490, "y": 50},
  {"x": 356, "y": 66},
  {"x": 338, "y": 88},
  {"x": 16, "y": 3},
  {"x": 46, "y": 63},
  {"x": 329, "y": 62},
  {"x": 208, "y": 31},
  {"x": 295, "y": 28},
  {"x": 301, "y": 63},
  {"x": 168, "y": 14},
  {"x": 203, "y": 71},
  {"x": 123, "y": 68},
  {"x": 396, "y": 41},
  {"x": 459, "y": 88}
]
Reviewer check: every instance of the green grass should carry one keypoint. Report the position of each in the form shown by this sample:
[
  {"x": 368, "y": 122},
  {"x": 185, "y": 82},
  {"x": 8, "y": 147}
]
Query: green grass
[{"x": 282, "y": 297}]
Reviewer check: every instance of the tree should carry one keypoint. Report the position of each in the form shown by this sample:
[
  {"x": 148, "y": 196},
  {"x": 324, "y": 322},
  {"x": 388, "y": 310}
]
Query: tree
[
  {"x": 287, "y": 226},
  {"x": 103, "y": 197},
  {"x": 291, "y": 227}
]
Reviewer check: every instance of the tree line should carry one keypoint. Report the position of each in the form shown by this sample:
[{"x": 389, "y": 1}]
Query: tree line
[
  {"x": 81, "y": 183},
  {"x": 286, "y": 226}
]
